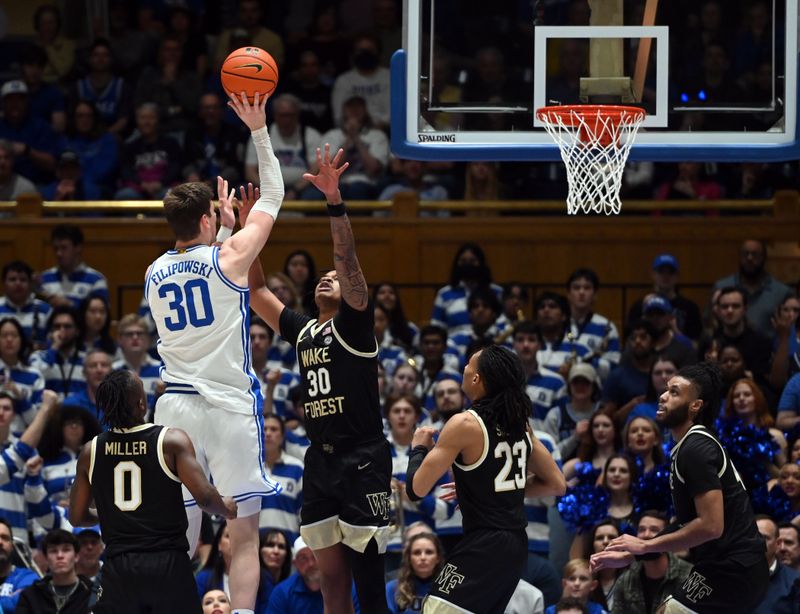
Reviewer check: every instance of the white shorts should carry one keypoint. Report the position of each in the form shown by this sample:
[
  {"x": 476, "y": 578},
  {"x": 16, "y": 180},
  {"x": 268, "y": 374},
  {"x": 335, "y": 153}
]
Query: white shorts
[{"x": 229, "y": 446}]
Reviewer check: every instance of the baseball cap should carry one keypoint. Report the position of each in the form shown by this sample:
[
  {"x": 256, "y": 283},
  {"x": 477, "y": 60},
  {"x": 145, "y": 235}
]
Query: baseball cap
[
  {"x": 298, "y": 545},
  {"x": 656, "y": 303},
  {"x": 13, "y": 87},
  {"x": 78, "y": 531},
  {"x": 665, "y": 260},
  {"x": 584, "y": 370}
]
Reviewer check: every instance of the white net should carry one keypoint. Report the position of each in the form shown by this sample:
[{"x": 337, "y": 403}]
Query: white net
[{"x": 595, "y": 142}]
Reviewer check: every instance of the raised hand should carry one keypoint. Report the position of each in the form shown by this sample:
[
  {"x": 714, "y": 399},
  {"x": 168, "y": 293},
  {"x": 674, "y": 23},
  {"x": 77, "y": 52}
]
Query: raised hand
[
  {"x": 226, "y": 202},
  {"x": 610, "y": 560},
  {"x": 423, "y": 436},
  {"x": 248, "y": 198},
  {"x": 253, "y": 115},
  {"x": 327, "y": 178},
  {"x": 627, "y": 543}
]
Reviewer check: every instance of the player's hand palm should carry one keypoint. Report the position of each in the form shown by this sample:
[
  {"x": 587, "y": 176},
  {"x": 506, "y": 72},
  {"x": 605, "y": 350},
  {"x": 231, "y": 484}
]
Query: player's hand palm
[
  {"x": 248, "y": 197},
  {"x": 327, "y": 178},
  {"x": 253, "y": 115},
  {"x": 226, "y": 203}
]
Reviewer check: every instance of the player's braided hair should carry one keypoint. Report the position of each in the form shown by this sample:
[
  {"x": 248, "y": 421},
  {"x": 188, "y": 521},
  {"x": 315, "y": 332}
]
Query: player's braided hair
[
  {"x": 506, "y": 405},
  {"x": 114, "y": 397},
  {"x": 707, "y": 381}
]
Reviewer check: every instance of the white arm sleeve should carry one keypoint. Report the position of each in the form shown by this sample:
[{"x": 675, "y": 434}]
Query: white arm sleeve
[{"x": 269, "y": 175}]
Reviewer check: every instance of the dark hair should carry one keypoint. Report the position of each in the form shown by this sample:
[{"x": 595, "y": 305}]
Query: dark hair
[
  {"x": 408, "y": 398},
  {"x": 41, "y": 11},
  {"x": 789, "y": 525},
  {"x": 588, "y": 446},
  {"x": 509, "y": 287},
  {"x": 97, "y": 129},
  {"x": 114, "y": 397},
  {"x": 35, "y": 55},
  {"x": 644, "y": 325},
  {"x": 631, "y": 469},
  {"x": 359, "y": 102},
  {"x": 68, "y": 232},
  {"x": 58, "y": 537},
  {"x": 307, "y": 291},
  {"x": 584, "y": 273},
  {"x": 52, "y": 443},
  {"x": 707, "y": 381},
  {"x": 280, "y": 420},
  {"x": 257, "y": 321},
  {"x": 485, "y": 273},
  {"x": 652, "y": 394},
  {"x": 487, "y": 296},
  {"x": 286, "y": 567},
  {"x": 433, "y": 329},
  {"x": 60, "y": 310},
  {"x": 506, "y": 405},
  {"x": 398, "y": 323},
  {"x": 528, "y": 327},
  {"x": 657, "y": 514},
  {"x": 7, "y": 524},
  {"x": 101, "y": 42},
  {"x": 476, "y": 345},
  {"x": 571, "y": 603},
  {"x": 549, "y": 295},
  {"x": 405, "y": 594},
  {"x": 10, "y": 397},
  {"x": 216, "y": 563},
  {"x": 605, "y": 522},
  {"x": 24, "y": 343},
  {"x": 18, "y": 266},
  {"x": 733, "y": 289},
  {"x": 106, "y": 341},
  {"x": 184, "y": 207},
  {"x": 658, "y": 449}
]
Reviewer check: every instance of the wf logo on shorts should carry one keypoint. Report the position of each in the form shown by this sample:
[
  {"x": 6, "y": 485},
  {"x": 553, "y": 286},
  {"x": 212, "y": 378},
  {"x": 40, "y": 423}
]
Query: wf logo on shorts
[
  {"x": 379, "y": 504},
  {"x": 448, "y": 578},
  {"x": 696, "y": 587}
]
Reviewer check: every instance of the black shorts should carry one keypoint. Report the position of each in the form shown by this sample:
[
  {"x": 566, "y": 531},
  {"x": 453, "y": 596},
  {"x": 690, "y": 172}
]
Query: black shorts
[
  {"x": 724, "y": 587},
  {"x": 154, "y": 582},
  {"x": 346, "y": 496},
  {"x": 481, "y": 574}
]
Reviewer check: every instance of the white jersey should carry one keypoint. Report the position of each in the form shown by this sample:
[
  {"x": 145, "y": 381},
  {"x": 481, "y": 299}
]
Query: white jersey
[{"x": 203, "y": 326}]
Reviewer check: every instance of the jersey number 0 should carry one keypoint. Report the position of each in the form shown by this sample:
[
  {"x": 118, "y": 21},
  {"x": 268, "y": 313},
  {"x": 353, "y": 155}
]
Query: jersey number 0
[{"x": 127, "y": 471}]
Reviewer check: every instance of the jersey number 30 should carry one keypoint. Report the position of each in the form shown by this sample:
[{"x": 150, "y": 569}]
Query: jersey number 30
[
  {"x": 128, "y": 499},
  {"x": 177, "y": 319},
  {"x": 504, "y": 481}
]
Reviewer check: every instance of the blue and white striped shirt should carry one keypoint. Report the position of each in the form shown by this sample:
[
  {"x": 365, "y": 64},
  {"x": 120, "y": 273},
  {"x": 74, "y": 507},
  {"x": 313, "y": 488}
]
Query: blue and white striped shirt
[
  {"x": 600, "y": 337},
  {"x": 545, "y": 389},
  {"x": 459, "y": 342},
  {"x": 296, "y": 442},
  {"x": 536, "y": 507},
  {"x": 553, "y": 355},
  {"x": 281, "y": 403},
  {"x": 61, "y": 375},
  {"x": 32, "y": 317},
  {"x": 282, "y": 511},
  {"x": 22, "y": 497},
  {"x": 281, "y": 354},
  {"x": 30, "y": 384},
  {"x": 390, "y": 355},
  {"x": 76, "y": 286},
  {"x": 58, "y": 474},
  {"x": 450, "y": 307}
]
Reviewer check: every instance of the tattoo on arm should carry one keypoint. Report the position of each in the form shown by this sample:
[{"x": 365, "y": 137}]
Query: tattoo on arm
[{"x": 348, "y": 270}]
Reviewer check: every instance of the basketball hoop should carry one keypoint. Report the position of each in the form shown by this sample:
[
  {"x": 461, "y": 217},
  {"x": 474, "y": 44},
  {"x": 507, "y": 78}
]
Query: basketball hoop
[{"x": 595, "y": 141}]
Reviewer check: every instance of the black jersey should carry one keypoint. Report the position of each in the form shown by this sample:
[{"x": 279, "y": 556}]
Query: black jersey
[
  {"x": 491, "y": 491},
  {"x": 339, "y": 371},
  {"x": 700, "y": 464},
  {"x": 139, "y": 500}
]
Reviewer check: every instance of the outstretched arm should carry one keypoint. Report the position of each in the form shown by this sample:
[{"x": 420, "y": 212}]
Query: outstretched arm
[
  {"x": 238, "y": 253},
  {"x": 348, "y": 270},
  {"x": 262, "y": 301}
]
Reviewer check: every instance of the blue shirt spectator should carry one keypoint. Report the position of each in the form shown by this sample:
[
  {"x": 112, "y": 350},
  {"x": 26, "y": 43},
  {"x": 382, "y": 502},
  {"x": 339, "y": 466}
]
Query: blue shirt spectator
[{"x": 789, "y": 405}]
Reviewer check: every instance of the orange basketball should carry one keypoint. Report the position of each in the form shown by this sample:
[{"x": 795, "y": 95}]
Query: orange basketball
[{"x": 249, "y": 70}]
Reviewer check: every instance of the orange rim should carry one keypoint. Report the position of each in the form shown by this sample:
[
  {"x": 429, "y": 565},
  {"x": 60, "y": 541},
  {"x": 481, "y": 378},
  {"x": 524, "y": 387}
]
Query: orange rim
[{"x": 570, "y": 113}]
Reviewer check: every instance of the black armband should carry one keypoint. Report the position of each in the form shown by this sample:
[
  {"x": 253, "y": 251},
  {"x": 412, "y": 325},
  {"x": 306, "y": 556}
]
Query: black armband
[
  {"x": 336, "y": 210},
  {"x": 414, "y": 461}
]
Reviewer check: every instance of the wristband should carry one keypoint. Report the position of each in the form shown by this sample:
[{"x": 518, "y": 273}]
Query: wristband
[
  {"x": 224, "y": 233},
  {"x": 336, "y": 210}
]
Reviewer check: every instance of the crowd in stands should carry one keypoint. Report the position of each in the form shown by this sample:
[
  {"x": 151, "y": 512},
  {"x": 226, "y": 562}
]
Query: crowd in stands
[
  {"x": 593, "y": 387},
  {"x": 134, "y": 105}
]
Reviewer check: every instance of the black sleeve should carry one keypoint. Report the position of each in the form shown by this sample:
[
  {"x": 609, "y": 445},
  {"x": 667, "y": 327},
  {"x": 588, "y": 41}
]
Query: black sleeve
[
  {"x": 291, "y": 323},
  {"x": 357, "y": 328},
  {"x": 699, "y": 462}
]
